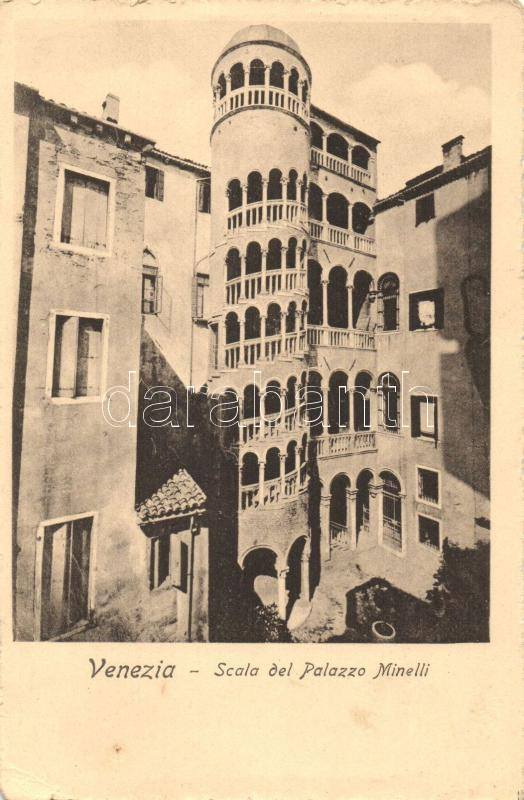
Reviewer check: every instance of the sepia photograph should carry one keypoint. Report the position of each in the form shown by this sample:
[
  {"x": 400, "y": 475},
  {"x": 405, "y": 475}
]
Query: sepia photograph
[{"x": 252, "y": 380}]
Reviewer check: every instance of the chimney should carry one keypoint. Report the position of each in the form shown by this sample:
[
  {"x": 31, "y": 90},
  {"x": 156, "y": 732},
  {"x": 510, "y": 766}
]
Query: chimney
[
  {"x": 452, "y": 153},
  {"x": 110, "y": 108}
]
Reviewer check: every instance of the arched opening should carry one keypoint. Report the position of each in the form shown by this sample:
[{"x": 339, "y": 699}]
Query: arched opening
[
  {"x": 274, "y": 186},
  {"x": 293, "y": 81},
  {"x": 362, "y": 285},
  {"x": 221, "y": 83},
  {"x": 253, "y": 258},
  {"x": 303, "y": 253},
  {"x": 291, "y": 392},
  {"x": 291, "y": 317},
  {"x": 337, "y": 146},
  {"x": 232, "y": 328},
  {"x": 305, "y": 90},
  {"x": 391, "y": 511},
  {"x": 338, "y": 210},
  {"x": 338, "y": 298},
  {"x": 315, "y": 202},
  {"x": 274, "y": 254},
  {"x": 251, "y": 401},
  {"x": 362, "y": 402},
  {"x": 276, "y": 75},
  {"x": 234, "y": 194},
  {"x": 272, "y": 398},
  {"x": 254, "y": 187},
  {"x": 259, "y": 575},
  {"x": 314, "y": 283},
  {"x": 317, "y": 135},
  {"x": 233, "y": 268},
  {"x": 389, "y": 289},
  {"x": 314, "y": 398},
  {"x": 363, "y": 481},
  {"x": 294, "y": 576},
  {"x": 338, "y": 403},
  {"x": 389, "y": 414},
  {"x": 292, "y": 185},
  {"x": 291, "y": 457},
  {"x": 304, "y": 188},
  {"x": 291, "y": 255},
  {"x": 273, "y": 319},
  {"x": 256, "y": 73},
  {"x": 360, "y": 157},
  {"x": 272, "y": 469},
  {"x": 303, "y": 315},
  {"x": 252, "y": 323},
  {"x": 249, "y": 469},
  {"x": 360, "y": 218},
  {"x": 338, "y": 510},
  {"x": 237, "y": 76}
]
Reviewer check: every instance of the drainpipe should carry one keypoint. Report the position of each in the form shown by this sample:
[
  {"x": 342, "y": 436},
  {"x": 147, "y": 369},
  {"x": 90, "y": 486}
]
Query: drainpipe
[{"x": 194, "y": 528}]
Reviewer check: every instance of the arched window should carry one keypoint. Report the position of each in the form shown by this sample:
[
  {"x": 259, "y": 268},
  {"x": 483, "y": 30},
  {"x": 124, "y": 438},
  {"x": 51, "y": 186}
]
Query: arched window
[
  {"x": 237, "y": 76},
  {"x": 232, "y": 328},
  {"x": 276, "y": 75},
  {"x": 256, "y": 73},
  {"x": 338, "y": 509},
  {"x": 272, "y": 398},
  {"x": 314, "y": 278},
  {"x": 305, "y": 90},
  {"x": 291, "y": 457},
  {"x": 251, "y": 403},
  {"x": 252, "y": 323},
  {"x": 272, "y": 469},
  {"x": 389, "y": 413},
  {"x": 273, "y": 319},
  {"x": 221, "y": 86},
  {"x": 292, "y": 185},
  {"x": 291, "y": 255},
  {"x": 338, "y": 403},
  {"x": 317, "y": 135},
  {"x": 315, "y": 202},
  {"x": 291, "y": 317},
  {"x": 338, "y": 298},
  {"x": 362, "y": 402},
  {"x": 249, "y": 469},
  {"x": 303, "y": 315},
  {"x": 337, "y": 210},
  {"x": 388, "y": 287},
  {"x": 254, "y": 187},
  {"x": 234, "y": 194},
  {"x": 274, "y": 254},
  {"x": 291, "y": 392},
  {"x": 253, "y": 258},
  {"x": 232, "y": 264},
  {"x": 360, "y": 218},
  {"x": 391, "y": 511},
  {"x": 274, "y": 187},
  {"x": 304, "y": 189},
  {"x": 362, "y": 285},
  {"x": 337, "y": 146},
  {"x": 360, "y": 157},
  {"x": 293, "y": 81}
]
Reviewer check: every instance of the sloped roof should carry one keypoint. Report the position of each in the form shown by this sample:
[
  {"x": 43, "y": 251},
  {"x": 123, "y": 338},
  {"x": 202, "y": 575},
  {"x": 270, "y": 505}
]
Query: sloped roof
[{"x": 179, "y": 496}]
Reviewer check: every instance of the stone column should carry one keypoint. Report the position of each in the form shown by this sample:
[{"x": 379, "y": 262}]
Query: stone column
[
  {"x": 325, "y": 536},
  {"x": 373, "y": 408},
  {"x": 242, "y": 277},
  {"x": 324, "y": 207},
  {"x": 262, "y": 336},
  {"x": 325, "y": 302},
  {"x": 228, "y": 83},
  {"x": 351, "y": 519},
  {"x": 241, "y": 343},
  {"x": 282, "y": 591},
  {"x": 267, "y": 68},
  {"x": 282, "y": 475},
  {"x": 264, "y": 271},
  {"x": 264, "y": 191},
  {"x": 325, "y": 409},
  {"x": 261, "y": 468},
  {"x": 304, "y": 572},
  {"x": 283, "y": 331},
  {"x": 349, "y": 288},
  {"x": 375, "y": 512}
]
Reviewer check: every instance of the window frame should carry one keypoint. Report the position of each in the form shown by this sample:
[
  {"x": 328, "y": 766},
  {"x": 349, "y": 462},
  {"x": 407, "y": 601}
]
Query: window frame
[
  {"x": 426, "y": 546},
  {"x": 59, "y": 312},
  {"x": 427, "y": 437},
  {"x": 59, "y": 210},
  {"x": 152, "y": 272},
  {"x": 40, "y": 534},
  {"x": 178, "y": 573},
  {"x": 159, "y": 191},
  {"x": 418, "y": 200},
  {"x": 201, "y": 281},
  {"x": 439, "y": 312},
  {"x": 438, "y": 473}
]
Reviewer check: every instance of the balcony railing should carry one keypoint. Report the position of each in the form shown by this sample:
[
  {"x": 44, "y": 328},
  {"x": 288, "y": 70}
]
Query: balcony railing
[
  {"x": 292, "y": 212},
  {"x": 272, "y": 427},
  {"x": 338, "y": 534},
  {"x": 340, "y": 236},
  {"x": 323, "y": 336},
  {"x": 273, "y": 281},
  {"x": 341, "y": 444},
  {"x": 322, "y": 159},
  {"x": 268, "y": 348},
  {"x": 255, "y": 96},
  {"x": 274, "y": 491}
]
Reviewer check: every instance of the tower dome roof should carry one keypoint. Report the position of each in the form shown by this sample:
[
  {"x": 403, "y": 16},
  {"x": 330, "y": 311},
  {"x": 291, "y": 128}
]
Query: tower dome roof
[{"x": 262, "y": 33}]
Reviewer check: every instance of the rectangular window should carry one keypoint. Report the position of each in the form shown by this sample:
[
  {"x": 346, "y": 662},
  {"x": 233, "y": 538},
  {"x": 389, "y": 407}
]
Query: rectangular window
[
  {"x": 204, "y": 196},
  {"x": 426, "y": 310},
  {"x": 424, "y": 417},
  {"x": 151, "y": 291},
  {"x": 77, "y": 356},
  {"x": 424, "y": 209},
  {"x": 84, "y": 219},
  {"x": 428, "y": 490},
  {"x": 200, "y": 296},
  {"x": 66, "y": 556},
  {"x": 429, "y": 532},
  {"x": 154, "y": 183},
  {"x": 169, "y": 562}
]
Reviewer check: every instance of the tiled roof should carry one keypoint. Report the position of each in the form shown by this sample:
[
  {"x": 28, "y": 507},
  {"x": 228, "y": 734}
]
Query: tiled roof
[{"x": 179, "y": 496}]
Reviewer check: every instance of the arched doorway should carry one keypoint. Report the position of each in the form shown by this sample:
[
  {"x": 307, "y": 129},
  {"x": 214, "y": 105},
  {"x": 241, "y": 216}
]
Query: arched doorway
[
  {"x": 314, "y": 284},
  {"x": 362, "y": 286},
  {"x": 338, "y": 403},
  {"x": 362, "y": 402},
  {"x": 339, "y": 523},
  {"x": 337, "y": 298},
  {"x": 363, "y": 481},
  {"x": 391, "y": 511},
  {"x": 259, "y": 574}
]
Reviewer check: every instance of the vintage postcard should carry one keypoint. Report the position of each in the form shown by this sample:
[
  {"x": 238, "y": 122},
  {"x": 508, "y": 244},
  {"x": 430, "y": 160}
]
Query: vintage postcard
[{"x": 260, "y": 368}]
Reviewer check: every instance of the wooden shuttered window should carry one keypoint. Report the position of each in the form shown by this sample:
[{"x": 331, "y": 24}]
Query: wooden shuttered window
[
  {"x": 77, "y": 358},
  {"x": 84, "y": 211},
  {"x": 154, "y": 183}
]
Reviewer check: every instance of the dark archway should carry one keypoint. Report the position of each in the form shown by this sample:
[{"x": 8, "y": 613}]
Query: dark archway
[
  {"x": 233, "y": 264},
  {"x": 362, "y": 402},
  {"x": 338, "y": 210},
  {"x": 338, "y": 298},
  {"x": 314, "y": 282},
  {"x": 315, "y": 202},
  {"x": 362, "y": 286},
  {"x": 363, "y": 481},
  {"x": 360, "y": 218},
  {"x": 232, "y": 328},
  {"x": 274, "y": 186},
  {"x": 251, "y": 401},
  {"x": 234, "y": 194},
  {"x": 316, "y": 135},
  {"x": 254, "y": 187},
  {"x": 273, "y": 319},
  {"x": 276, "y": 75},
  {"x": 337, "y": 146},
  {"x": 237, "y": 76},
  {"x": 252, "y": 323},
  {"x": 253, "y": 258},
  {"x": 360, "y": 157},
  {"x": 256, "y": 73},
  {"x": 338, "y": 403}
]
